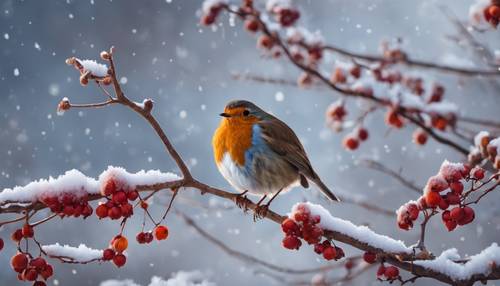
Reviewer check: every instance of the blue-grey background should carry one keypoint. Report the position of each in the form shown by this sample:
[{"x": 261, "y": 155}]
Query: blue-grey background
[{"x": 164, "y": 54}]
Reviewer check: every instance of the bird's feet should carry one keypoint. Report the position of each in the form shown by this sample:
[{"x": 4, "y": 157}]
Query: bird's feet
[
  {"x": 260, "y": 212},
  {"x": 242, "y": 201}
]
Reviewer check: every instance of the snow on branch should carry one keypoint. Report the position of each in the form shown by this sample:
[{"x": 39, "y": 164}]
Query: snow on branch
[
  {"x": 80, "y": 254},
  {"x": 483, "y": 263},
  {"x": 361, "y": 233},
  {"x": 79, "y": 185}
]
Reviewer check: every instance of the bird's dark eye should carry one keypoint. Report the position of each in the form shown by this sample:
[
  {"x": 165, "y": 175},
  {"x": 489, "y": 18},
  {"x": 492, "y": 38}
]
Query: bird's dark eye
[{"x": 246, "y": 113}]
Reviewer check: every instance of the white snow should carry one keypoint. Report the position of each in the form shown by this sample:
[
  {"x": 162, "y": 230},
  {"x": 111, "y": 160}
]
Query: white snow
[
  {"x": 181, "y": 278},
  {"x": 479, "y": 137},
  {"x": 477, "y": 264},
  {"x": 271, "y": 4},
  {"x": 297, "y": 34},
  {"x": 95, "y": 68},
  {"x": 361, "y": 233},
  {"x": 495, "y": 142},
  {"x": 82, "y": 253},
  {"x": 77, "y": 183},
  {"x": 208, "y": 4}
]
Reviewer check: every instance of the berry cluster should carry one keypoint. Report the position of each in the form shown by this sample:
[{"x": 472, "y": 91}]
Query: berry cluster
[
  {"x": 160, "y": 233},
  {"x": 443, "y": 191},
  {"x": 351, "y": 141},
  {"x": 117, "y": 205},
  {"x": 31, "y": 269},
  {"x": 286, "y": 16},
  {"x": 68, "y": 204},
  {"x": 390, "y": 273},
  {"x": 304, "y": 225},
  {"x": 117, "y": 245},
  {"x": 485, "y": 147}
]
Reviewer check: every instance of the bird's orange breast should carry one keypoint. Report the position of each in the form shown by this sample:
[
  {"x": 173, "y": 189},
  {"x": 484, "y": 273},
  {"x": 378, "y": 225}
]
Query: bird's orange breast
[{"x": 233, "y": 138}]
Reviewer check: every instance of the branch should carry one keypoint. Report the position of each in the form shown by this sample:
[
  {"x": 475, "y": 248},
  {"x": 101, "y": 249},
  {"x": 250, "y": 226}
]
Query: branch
[
  {"x": 248, "y": 258},
  {"x": 377, "y": 166}
]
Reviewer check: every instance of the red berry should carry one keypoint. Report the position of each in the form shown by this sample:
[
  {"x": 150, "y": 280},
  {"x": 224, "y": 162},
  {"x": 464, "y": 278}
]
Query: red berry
[
  {"x": 132, "y": 195},
  {"x": 119, "y": 243},
  {"x": 141, "y": 237},
  {"x": 319, "y": 248},
  {"x": 208, "y": 19},
  {"x": 393, "y": 119},
  {"x": 148, "y": 236},
  {"x": 144, "y": 205},
  {"x": 30, "y": 274},
  {"x": 437, "y": 184},
  {"x": 114, "y": 213},
  {"x": 161, "y": 232},
  {"x": 457, "y": 213},
  {"x": 289, "y": 226},
  {"x": 252, "y": 25},
  {"x": 349, "y": 264},
  {"x": 338, "y": 76},
  {"x": 457, "y": 187},
  {"x": 87, "y": 211},
  {"x": 39, "y": 283},
  {"x": 370, "y": 257},
  {"x": 108, "y": 254},
  {"x": 420, "y": 137},
  {"x": 28, "y": 231},
  {"x": 19, "y": 262},
  {"x": 119, "y": 197},
  {"x": 265, "y": 41},
  {"x": 443, "y": 204},
  {"x": 119, "y": 260},
  {"x": 340, "y": 253},
  {"x": 38, "y": 263},
  {"x": 300, "y": 216},
  {"x": 362, "y": 134},
  {"x": 109, "y": 188},
  {"x": 413, "y": 211},
  {"x": 381, "y": 270},
  {"x": 17, "y": 235},
  {"x": 452, "y": 198},
  {"x": 1, "y": 244},
  {"x": 355, "y": 71},
  {"x": 450, "y": 225},
  {"x": 468, "y": 216},
  {"x": 291, "y": 242},
  {"x": 478, "y": 173},
  {"x": 391, "y": 272},
  {"x": 350, "y": 143},
  {"x": 494, "y": 11},
  {"x": 68, "y": 210},
  {"x": 445, "y": 216},
  {"x": 127, "y": 210},
  {"x": 101, "y": 211},
  {"x": 432, "y": 199},
  {"x": 47, "y": 271},
  {"x": 329, "y": 253}
]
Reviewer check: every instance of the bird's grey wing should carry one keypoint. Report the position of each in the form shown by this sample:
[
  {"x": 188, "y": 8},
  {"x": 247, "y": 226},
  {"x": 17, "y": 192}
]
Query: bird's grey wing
[{"x": 283, "y": 141}]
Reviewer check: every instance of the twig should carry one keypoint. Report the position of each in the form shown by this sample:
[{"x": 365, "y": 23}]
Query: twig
[
  {"x": 248, "y": 258},
  {"x": 377, "y": 166}
]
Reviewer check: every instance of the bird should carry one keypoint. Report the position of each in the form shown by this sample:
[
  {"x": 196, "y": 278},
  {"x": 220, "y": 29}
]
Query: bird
[{"x": 259, "y": 154}]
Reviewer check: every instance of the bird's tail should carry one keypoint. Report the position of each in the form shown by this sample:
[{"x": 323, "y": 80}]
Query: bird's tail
[{"x": 324, "y": 189}]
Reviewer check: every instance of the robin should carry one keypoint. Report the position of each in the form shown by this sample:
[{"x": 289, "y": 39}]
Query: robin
[{"x": 259, "y": 154}]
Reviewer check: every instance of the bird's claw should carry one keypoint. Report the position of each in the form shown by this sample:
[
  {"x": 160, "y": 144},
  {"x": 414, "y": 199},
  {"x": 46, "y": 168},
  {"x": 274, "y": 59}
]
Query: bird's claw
[
  {"x": 260, "y": 212},
  {"x": 242, "y": 201}
]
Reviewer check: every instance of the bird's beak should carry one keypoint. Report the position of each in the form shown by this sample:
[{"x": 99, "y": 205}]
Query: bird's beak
[{"x": 223, "y": 114}]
